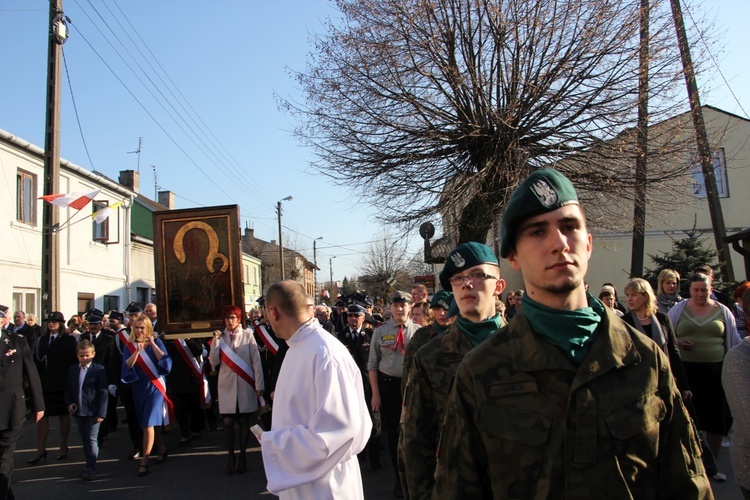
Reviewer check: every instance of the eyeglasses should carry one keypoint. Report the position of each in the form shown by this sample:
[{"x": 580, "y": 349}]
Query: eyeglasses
[{"x": 474, "y": 278}]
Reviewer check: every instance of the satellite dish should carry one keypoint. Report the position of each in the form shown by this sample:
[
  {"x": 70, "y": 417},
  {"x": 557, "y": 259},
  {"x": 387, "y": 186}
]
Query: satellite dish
[{"x": 427, "y": 230}]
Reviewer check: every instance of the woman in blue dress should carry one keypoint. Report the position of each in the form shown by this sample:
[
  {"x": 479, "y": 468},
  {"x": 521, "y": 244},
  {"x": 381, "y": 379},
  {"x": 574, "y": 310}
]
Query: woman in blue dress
[{"x": 148, "y": 398}]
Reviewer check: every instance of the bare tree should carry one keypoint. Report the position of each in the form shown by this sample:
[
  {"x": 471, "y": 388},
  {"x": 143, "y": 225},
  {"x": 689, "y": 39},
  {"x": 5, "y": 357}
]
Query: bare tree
[
  {"x": 383, "y": 267},
  {"x": 443, "y": 106}
]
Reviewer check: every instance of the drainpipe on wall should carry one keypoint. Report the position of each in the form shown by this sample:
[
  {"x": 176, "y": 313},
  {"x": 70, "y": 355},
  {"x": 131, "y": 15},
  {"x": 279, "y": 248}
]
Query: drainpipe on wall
[{"x": 126, "y": 249}]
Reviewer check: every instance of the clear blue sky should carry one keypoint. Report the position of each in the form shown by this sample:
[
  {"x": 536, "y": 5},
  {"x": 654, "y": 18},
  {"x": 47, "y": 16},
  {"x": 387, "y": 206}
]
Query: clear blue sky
[{"x": 227, "y": 58}]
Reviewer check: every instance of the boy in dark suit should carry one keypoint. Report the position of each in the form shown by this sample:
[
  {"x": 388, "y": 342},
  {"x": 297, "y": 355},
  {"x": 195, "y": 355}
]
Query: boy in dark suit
[{"x": 86, "y": 399}]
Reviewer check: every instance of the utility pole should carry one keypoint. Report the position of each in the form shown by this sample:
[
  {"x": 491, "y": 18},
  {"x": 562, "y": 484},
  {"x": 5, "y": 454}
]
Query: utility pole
[
  {"x": 58, "y": 33},
  {"x": 704, "y": 151},
  {"x": 281, "y": 240},
  {"x": 641, "y": 162},
  {"x": 315, "y": 263},
  {"x": 330, "y": 264}
]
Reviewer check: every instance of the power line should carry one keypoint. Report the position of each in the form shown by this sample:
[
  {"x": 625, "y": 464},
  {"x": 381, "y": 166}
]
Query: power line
[{"x": 75, "y": 109}]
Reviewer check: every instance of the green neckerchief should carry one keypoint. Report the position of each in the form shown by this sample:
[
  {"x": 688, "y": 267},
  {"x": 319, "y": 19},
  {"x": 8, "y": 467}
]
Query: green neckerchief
[
  {"x": 477, "y": 332},
  {"x": 439, "y": 329},
  {"x": 571, "y": 331}
]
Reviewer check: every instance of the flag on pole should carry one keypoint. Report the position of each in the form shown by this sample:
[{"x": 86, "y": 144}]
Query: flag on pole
[
  {"x": 72, "y": 200},
  {"x": 101, "y": 215}
]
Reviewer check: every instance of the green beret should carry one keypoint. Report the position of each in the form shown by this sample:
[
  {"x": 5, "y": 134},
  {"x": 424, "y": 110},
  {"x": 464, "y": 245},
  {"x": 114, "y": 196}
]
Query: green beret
[
  {"x": 543, "y": 191},
  {"x": 464, "y": 256},
  {"x": 442, "y": 299}
]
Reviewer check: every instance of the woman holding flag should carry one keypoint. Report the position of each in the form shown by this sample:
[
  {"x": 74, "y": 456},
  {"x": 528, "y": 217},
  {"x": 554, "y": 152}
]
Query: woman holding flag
[
  {"x": 240, "y": 382},
  {"x": 145, "y": 365}
]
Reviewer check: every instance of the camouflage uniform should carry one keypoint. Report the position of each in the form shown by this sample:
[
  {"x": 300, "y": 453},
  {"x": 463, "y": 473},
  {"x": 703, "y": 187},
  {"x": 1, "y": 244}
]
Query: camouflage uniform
[
  {"x": 420, "y": 338},
  {"x": 425, "y": 402},
  {"x": 524, "y": 422}
]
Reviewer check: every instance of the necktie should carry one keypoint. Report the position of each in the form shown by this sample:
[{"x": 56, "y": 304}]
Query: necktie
[
  {"x": 399, "y": 339},
  {"x": 52, "y": 339}
]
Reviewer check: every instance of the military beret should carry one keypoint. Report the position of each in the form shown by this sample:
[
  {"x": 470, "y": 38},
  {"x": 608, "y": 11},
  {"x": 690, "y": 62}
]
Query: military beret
[
  {"x": 442, "y": 299},
  {"x": 55, "y": 316},
  {"x": 464, "y": 256},
  {"x": 399, "y": 296},
  {"x": 117, "y": 316},
  {"x": 355, "y": 309},
  {"x": 543, "y": 191}
]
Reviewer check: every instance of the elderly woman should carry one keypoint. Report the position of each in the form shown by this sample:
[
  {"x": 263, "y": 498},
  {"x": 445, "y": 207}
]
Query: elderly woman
[
  {"x": 55, "y": 353},
  {"x": 736, "y": 378},
  {"x": 145, "y": 364},
  {"x": 240, "y": 382},
  {"x": 668, "y": 290},
  {"x": 706, "y": 331}
]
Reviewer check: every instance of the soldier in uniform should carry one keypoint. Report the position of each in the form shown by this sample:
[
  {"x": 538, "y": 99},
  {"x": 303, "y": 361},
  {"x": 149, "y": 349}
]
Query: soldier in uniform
[
  {"x": 385, "y": 369},
  {"x": 357, "y": 341},
  {"x": 471, "y": 271},
  {"x": 567, "y": 401}
]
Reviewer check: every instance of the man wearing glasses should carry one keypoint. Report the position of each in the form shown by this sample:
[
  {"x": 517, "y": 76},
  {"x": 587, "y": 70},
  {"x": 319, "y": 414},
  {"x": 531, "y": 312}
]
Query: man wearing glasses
[
  {"x": 567, "y": 401},
  {"x": 472, "y": 273}
]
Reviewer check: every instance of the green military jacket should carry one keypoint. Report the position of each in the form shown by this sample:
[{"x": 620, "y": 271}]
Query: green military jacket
[
  {"x": 420, "y": 338},
  {"x": 523, "y": 422},
  {"x": 425, "y": 401}
]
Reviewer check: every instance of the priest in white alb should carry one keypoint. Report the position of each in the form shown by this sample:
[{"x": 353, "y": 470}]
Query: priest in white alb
[{"x": 320, "y": 418}]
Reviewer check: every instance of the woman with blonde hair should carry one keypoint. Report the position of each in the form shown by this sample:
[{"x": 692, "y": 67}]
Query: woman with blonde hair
[
  {"x": 668, "y": 290},
  {"x": 145, "y": 364}
]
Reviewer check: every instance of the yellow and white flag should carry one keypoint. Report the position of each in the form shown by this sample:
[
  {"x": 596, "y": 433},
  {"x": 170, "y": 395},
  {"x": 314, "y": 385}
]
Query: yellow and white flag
[{"x": 101, "y": 215}]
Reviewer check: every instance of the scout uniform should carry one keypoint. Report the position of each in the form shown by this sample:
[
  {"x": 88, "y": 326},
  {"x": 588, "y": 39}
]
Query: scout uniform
[{"x": 530, "y": 416}]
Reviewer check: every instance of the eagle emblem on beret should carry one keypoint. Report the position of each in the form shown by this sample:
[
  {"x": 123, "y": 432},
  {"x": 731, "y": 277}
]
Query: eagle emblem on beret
[
  {"x": 544, "y": 192},
  {"x": 458, "y": 260}
]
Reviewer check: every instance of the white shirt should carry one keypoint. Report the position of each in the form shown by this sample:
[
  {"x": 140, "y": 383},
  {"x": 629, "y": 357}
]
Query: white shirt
[{"x": 320, "y": 421}]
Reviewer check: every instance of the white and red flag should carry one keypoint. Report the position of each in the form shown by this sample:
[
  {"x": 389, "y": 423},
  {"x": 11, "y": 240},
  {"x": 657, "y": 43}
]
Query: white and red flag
[{"x": 73, "y": 200}]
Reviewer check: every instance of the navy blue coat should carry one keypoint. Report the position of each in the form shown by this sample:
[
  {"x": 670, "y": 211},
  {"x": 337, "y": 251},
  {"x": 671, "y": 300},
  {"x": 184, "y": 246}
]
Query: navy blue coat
[{"x": 94, "y": 391}]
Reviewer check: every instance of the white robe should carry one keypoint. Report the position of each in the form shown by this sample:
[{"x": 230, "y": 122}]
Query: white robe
[{"x": 320, "y": 421}]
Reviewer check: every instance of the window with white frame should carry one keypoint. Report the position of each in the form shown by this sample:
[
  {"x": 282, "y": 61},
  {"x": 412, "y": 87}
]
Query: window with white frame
[
  {"x": 100, "y": 229},
  {"x": 25, "y": 299},
  {"x": 26, "y": 197}
]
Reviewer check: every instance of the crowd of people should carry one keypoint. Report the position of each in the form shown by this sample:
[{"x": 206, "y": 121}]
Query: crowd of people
[{"x": 544, "y": 392}]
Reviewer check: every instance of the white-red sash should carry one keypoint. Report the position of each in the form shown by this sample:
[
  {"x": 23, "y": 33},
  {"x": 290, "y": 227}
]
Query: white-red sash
[
  {"x": 124, "y": 340},
  {"x": 196, "y": 367},
  {"x": 236, "y": 364},
  {"x": 266, "y": 337},
  {"x": 148, "y": 367}
]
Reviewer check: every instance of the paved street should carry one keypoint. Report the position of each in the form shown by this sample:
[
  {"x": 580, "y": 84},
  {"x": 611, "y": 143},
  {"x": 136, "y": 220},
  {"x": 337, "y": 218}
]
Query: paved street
[{"x": 197, "y": 471}]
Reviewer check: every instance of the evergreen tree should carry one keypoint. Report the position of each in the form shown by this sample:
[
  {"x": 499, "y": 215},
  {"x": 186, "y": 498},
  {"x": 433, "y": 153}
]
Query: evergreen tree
[{"x": 686, "y": 254}]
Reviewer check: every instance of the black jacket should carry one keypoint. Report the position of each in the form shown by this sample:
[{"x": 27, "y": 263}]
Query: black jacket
[{"x": 17, "y": 364}]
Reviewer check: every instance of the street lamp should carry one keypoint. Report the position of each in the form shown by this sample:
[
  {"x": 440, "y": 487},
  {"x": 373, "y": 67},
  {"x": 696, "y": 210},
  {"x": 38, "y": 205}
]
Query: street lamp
[
  {"x": 281, "y": 240},
  {"x": 330, "y": 264},
  {"x": 315, "y": 263}
]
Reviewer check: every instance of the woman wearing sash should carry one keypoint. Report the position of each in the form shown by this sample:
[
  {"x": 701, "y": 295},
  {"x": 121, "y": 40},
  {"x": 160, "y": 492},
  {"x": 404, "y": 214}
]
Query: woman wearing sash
[
  {"x": 145, "y": 365},
  {"x": 240, "y": 382}
]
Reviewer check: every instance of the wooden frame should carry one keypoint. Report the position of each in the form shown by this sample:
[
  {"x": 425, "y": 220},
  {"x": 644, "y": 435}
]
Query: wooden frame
[{"x": 198, "y": 262}]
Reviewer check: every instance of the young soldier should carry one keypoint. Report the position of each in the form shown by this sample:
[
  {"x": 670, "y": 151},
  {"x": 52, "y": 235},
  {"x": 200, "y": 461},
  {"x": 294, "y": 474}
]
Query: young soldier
[
  {"x": 472, "y": 273},
  {"x": 567, "y": 401}
]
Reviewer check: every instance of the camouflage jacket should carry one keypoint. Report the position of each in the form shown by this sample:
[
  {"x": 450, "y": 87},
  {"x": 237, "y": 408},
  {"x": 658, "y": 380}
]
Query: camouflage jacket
[
  {"x": 524, "y": 422},
  {"x": 425, "y": 401},
  {"x": 420, "y": 338}
]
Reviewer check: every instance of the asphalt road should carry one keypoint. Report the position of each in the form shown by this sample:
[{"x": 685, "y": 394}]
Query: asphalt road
[{"x": 196, "y": 471}]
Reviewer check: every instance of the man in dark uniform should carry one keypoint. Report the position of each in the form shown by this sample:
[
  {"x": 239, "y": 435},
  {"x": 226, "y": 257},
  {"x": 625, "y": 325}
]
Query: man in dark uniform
[
  {"x": 185, "y": 387},
  {"x": 566, "y": 401},
  {"x": 357, "y": 338},
  {"x": 16, "y": 364},
  {"x": 116, "y": 322},
  {"x": 5, "y": 319},
  {"x": 108, "y": 355}
]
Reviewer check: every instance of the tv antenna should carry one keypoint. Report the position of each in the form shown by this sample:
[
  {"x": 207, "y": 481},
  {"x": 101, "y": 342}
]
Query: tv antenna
[{"x": 138, "y": 152}]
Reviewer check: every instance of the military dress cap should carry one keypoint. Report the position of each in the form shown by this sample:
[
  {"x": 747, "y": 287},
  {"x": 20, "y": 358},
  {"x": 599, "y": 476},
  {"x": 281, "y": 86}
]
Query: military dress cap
[
  {"x": 55, "y": 316},
  {"x": 4, "y": 309},
  {"x": 261, "y": 301},
  {"x": 464, "y": 256},
  {"x": 543, "y": 191},
  {"x": 117, "y": 316},
  {"x": 134, "y": 308},
  {"x": 2, "y": 314},
  {"x": 399, "y": 296},
  {"x": 94, "y": 316},
  {"x": 341, "y": 303},
  {"x": 442, "y": 299},
  {"x": 355, "y": 309}
]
